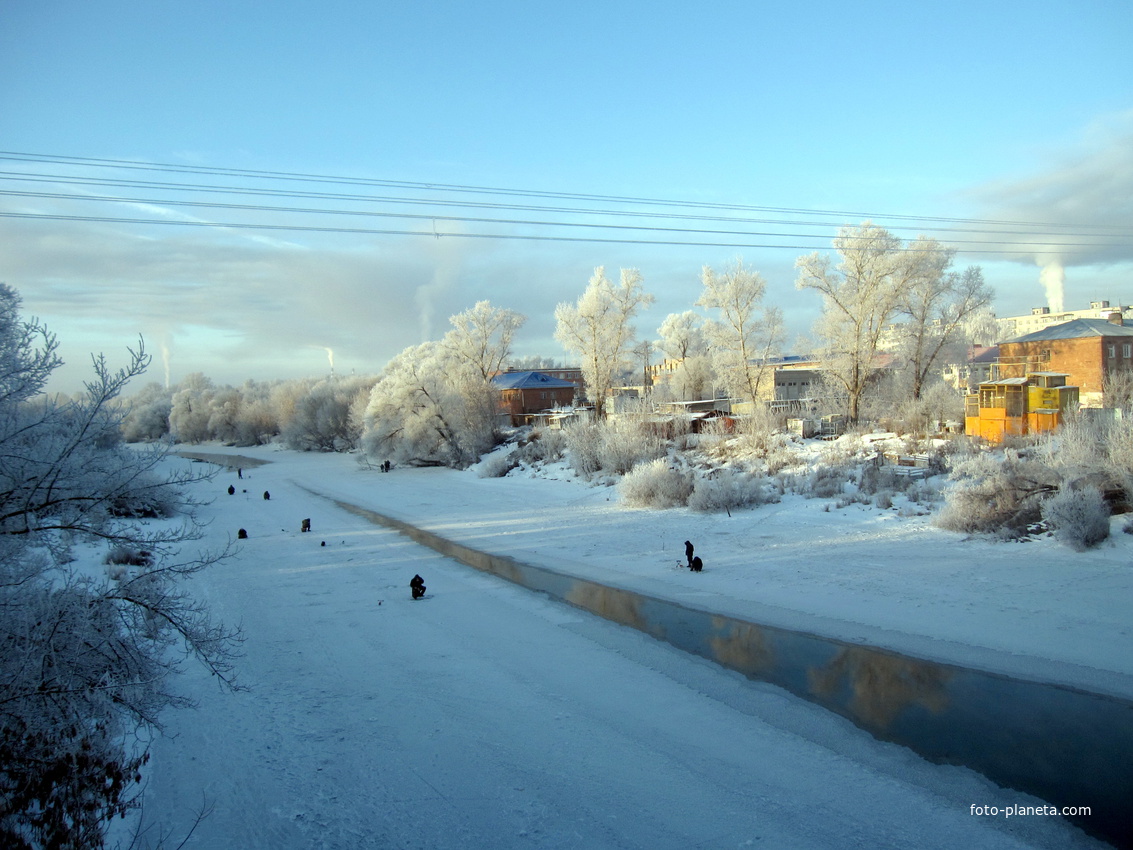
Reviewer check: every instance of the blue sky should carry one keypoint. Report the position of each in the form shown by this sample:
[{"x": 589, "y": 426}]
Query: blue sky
[{"x": 1018, "y": 111}]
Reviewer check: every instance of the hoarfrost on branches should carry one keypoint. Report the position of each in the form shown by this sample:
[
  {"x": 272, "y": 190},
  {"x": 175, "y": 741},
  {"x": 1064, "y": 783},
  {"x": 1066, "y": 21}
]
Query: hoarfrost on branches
[
  {"x": 597, "y": 329},
  {"x": 85, "y": 660}
]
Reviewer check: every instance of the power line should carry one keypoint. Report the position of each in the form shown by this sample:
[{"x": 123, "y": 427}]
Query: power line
[
  {"x": 466, "y": 219},
  {"x": 434, "y": 234},
  {"x": 663, "y": 209},
  {"x": 1096, "y": 230}
]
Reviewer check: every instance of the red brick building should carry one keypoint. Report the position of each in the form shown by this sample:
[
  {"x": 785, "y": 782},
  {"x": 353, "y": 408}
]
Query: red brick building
[
  {"x": 525, "y": 393},
  {"x": 1084, "y": 349}
]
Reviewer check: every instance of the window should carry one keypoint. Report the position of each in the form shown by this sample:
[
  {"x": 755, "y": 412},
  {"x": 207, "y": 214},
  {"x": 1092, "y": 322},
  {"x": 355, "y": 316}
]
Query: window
[
  {"x": 1112, "y": 350},
  {"x": 1127, "y": 350}
]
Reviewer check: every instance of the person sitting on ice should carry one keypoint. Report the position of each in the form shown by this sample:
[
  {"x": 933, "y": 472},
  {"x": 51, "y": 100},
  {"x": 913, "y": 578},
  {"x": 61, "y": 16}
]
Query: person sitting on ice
[{"x": 417, "y": 585}]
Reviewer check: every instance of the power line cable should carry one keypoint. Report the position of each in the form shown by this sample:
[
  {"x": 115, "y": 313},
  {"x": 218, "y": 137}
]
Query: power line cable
[
  {"x": 1065, "y": 231},
  {"x": 470, "y": 219},
  {"x": 577, "y": 196},
  {"x": 435, "y": 234}
]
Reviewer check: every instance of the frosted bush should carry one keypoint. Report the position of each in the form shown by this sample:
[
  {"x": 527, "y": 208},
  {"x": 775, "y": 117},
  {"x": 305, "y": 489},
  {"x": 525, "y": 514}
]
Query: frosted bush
[
  {"x": 1079, "y": 517},
  {"x": 827, "y": 482},
  {"x": 543, "y": 446},
  {"x": 497, "y": 464},
  {"x": 584, "y": 443},
  {"x": 655, "y": 484},
  {"x": 613, "y": 447},
  {"x": 726, "y": 489},
  {"x": 624, "y": 445},
  {"x": 996, "y": 492}
]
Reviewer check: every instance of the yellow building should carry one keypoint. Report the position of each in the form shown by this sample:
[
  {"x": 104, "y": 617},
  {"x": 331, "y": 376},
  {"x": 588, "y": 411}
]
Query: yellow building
[{"x": 1034, "y": 404}]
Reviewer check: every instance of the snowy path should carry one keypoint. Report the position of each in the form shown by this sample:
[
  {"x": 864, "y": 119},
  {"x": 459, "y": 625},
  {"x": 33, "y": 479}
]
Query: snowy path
[{"x": 487, "y": 716}]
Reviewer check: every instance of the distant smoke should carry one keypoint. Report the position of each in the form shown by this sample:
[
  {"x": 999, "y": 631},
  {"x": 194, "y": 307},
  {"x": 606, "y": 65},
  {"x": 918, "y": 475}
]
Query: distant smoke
[
  {"x": 330, "y": 357},
  {"x": 430, "y": 296},
  {"x": 1053, "y": 279},
  {"x": 1074, "y": 211},
  {"x": 165, "y": 355}
]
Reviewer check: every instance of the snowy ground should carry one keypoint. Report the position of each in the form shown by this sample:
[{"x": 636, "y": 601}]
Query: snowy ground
[{"x": 488, "y": 716}]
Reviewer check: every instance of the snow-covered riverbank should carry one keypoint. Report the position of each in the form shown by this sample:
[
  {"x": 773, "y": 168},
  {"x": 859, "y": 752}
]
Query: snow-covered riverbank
[{"x": 490, "y": 716}]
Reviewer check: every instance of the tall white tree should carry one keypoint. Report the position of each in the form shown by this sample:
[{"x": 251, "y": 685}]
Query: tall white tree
[
  {"x": 597, "y": 328},
  {"x": 682, "y": 341},
  {"x": 323, "y": 420},
  {"x": 420, "y": 410},
  {"x": 682, "y": 335},
  {"x": 938, "y": 306},
  {"x": 435, "y": 402},
  {"x": 747, "y": 335},
  {"x": 861, "y": 296},
  {"x": 482, "y": 337}
]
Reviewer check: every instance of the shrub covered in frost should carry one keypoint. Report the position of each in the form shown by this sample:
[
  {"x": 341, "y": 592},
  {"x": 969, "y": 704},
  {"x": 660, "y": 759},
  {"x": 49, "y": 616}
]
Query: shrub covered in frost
[
  {"x": 655, "y": 484},
  {"x": 584, "y": 444},
  {"x": 826, "y": 482},
  {"x": 996, "y": 492},
  {"x": 1079, "y": 517},
  {"x": 725, "y": 489},
  {"x": 610, "y": 446},
  {"x": 497, "y": 464},
  {"x": 544, "y": 445}
]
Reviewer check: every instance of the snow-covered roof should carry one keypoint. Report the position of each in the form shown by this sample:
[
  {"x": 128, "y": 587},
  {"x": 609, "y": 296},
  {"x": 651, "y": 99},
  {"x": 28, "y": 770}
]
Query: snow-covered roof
[
  {"x": 528, "y": 381},
  {"x": 1076, "y": 329},
  {"x": 1005, "y": 382}
]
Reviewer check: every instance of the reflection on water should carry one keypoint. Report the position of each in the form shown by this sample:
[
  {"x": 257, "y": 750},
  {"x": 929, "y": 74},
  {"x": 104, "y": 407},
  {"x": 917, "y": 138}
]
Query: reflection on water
[
  {"x": 612, "y": 604},
  {"x": 882, "y": 685},
  {"x": 221, "y": 459},
  {"x": 1065, "y": 746},
  {"x": 742, "y": 647}
]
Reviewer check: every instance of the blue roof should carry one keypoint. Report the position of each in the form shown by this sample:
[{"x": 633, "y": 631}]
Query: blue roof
[
  {"x": 528, "y": 381},
  {"x": 1076, "y": 329}
]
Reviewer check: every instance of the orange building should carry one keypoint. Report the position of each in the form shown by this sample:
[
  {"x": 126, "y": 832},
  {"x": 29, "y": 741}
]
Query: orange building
[{"x": 1013, "y": 407}]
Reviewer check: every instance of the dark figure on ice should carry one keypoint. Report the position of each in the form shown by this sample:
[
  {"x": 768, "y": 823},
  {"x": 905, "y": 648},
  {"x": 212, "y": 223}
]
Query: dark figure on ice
[
  {"x": 417, "y": 585},
  {"x": 697, "y": 564},
  {"x": 688, "y": 552},
  {"x": 305, "y": 525},
  {"x": 231, "y": 490},
  {"x": 267, "y": 495},
  {"x": 239, "y": 473}
]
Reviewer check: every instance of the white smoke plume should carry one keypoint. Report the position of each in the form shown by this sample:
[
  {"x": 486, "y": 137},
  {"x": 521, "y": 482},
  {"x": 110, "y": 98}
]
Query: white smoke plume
[
  {"x": 1053, "y": 279},
  {"x": 165, "y": 357}
]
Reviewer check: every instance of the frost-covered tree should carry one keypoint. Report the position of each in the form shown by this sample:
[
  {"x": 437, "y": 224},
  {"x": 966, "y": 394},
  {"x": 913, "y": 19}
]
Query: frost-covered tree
[
  {"x": 147, "y": 414},
  {"x": 861, "y": 295},
  {"x": 192, "y": 409},
  {"x": 938, "y": 306},
  {"x": 597, "y": 328},
  {"x": 683, "y": 342},
  {"x": 225, "y": 410},
  {"x": 258, "y": 421},
  {"x": 85, "y": 655},
  {"x": 482, "y": 337},
  {"x": 323, "y": 420},
  {"x": 428, "y": 408},
  {"x": 746, "y": 335}
]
